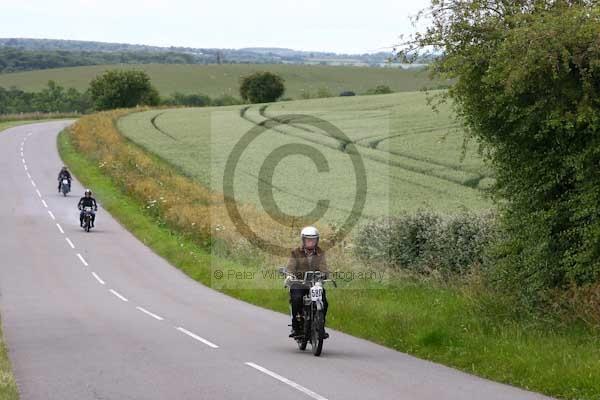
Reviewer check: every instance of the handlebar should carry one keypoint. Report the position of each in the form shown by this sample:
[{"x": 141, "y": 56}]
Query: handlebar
[{"x": 289, "y": 277}]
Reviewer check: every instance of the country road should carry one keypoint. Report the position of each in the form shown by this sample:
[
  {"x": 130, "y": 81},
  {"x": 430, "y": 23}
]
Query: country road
[{"x": 100, "y": 316}]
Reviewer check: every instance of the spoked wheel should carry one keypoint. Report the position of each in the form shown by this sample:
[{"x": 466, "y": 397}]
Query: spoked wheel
[
  {"x": 304, "y": 341},
  {"x": 316, "y": 339}
]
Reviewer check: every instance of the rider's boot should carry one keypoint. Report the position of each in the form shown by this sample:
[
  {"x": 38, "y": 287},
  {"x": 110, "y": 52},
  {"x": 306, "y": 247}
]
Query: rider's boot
[{"x": 295, "y": 329}]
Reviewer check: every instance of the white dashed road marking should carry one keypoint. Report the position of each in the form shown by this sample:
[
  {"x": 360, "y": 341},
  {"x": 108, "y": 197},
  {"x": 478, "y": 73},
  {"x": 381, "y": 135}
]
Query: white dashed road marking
[
  {"x": 98, "y": 278},
  {"x": 118, "y": 295},
  {"x": 198, "y": 338},
  {"x": 149, "y": 313},
  {"x": 286, "y": 381},
  {"x": 82, "y": 259}
]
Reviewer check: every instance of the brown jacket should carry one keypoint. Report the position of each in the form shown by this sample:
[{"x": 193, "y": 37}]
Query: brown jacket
[{"x": 299, "y": 262}]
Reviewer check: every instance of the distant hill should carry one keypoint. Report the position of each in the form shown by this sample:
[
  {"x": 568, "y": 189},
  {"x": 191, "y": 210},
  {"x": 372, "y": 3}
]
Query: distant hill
[{"x": 19, "y": 54}]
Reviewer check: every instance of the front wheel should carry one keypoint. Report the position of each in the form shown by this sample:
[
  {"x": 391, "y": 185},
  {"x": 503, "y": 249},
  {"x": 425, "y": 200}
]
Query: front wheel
[
  {"x": 302, "y": 344},
  {"x": 318, "y": 326}
]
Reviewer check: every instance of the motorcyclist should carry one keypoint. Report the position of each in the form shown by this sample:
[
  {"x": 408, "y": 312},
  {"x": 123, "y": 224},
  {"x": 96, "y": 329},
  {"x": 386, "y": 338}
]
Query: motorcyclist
[
  {"x": 64, "y": 174},
  {"x": 87, "y": 201},
  {"x": 308, "y": 257}
]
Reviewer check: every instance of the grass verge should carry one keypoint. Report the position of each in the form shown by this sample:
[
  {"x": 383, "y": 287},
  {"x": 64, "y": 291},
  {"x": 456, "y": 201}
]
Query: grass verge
[
  {"x": 8, "y": 386},
  {"x": 447, "y": 325}
]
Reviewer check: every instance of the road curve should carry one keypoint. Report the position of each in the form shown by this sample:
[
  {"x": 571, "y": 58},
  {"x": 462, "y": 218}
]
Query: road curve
[{"x": 100, "y": 316}]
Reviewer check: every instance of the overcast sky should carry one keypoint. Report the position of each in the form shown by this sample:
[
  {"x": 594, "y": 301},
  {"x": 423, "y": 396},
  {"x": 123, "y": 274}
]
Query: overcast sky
[{"x": 343, "y": 26}]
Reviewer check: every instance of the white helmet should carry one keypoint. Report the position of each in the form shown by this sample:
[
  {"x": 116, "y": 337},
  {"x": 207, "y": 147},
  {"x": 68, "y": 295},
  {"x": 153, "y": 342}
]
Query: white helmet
[{"x": 309, "y": 232}]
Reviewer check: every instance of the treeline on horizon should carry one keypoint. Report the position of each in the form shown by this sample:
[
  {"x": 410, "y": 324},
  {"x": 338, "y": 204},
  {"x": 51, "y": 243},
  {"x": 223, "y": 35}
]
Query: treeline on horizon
[
  {"x": 16, "y": 60},
  {"x": 57, "y": 99}
]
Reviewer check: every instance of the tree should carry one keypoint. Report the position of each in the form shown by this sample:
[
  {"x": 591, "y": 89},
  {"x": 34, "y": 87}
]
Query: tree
[
  {"x": 123, "y": 89},
  {"x": 527, "y": 86},
  {"x": 261, "y": 87}
]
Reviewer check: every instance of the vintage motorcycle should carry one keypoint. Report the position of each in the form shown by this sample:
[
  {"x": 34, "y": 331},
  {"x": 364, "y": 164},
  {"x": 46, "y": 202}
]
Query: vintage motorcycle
[
  {"x": 65, "y": 187},
  {"x": 312, "y": 319},
  {"x": 87, "y": 218}
]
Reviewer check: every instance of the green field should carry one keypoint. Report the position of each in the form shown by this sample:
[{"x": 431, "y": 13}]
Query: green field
[
  {"x": 412, "y": 156},
  {"x": 215, "y": 80}
]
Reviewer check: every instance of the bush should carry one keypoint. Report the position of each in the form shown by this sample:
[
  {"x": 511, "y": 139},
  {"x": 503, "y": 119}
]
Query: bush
[
  {"x": 425, "y": 242},
  {"x": 123, "y": 89},
  {"x": 323, "y": 93},
  {"x": 380, "y": 89},
  {"x": 226, "y": 100},
  {"x": 261, "y": 87},
  {"x": 190, "y": 100}
]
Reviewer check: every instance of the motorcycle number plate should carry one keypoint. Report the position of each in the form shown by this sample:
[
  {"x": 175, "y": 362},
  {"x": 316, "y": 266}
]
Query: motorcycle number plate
[
  {"x": 316, "y": 293},
  {"x": 66, "y": 182}
]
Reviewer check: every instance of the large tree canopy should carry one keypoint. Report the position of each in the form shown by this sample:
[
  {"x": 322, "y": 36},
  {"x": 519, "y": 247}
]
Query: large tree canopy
[
  {"x": 123, "y": 89},
  {"x": 527, "y": 86}
]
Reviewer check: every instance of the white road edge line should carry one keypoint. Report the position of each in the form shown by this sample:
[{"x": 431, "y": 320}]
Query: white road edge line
[
  {"x": 98, "y": 278},
  {"x": 118, "y": 295},
  {"x": 149, "y": 313},
  {"x": 38, "y": 193},
  {"x": 198, "y": 338},
  {"x": 25, "y": 166},
  {"x": 82, "y": 259},
  {"x": 286, "y": 381},
  {"x": 51, "y": 215},
  {"x": 44, "y": 203},
  {"x": 23, "y": 160},
  {"x": 60, "y": 228},
  {"x": 33, "y": 183},
  {"x": 22, "y": 155},
  {"x": 70, "y": 243},
  {"x": 28, "y": 174}
]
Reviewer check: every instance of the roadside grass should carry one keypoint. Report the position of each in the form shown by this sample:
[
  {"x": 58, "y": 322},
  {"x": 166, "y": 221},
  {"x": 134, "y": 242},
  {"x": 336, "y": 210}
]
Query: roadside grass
[
  {"x": 462, "y": 327},
  {"x": 8, "y": 386}
]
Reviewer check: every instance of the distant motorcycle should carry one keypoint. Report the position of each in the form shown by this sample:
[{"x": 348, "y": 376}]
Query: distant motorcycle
[
  {"x": 65, "y": 187},
  {"x": 312, "y": 318},
  {"x": 87, "y": 218}
]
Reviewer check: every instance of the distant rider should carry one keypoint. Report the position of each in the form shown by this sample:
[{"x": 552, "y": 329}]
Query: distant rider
[
  {"x": 64, "y": 174},
  {"x": 308, "y": 257},
  {"x": 87, "y": 201}
]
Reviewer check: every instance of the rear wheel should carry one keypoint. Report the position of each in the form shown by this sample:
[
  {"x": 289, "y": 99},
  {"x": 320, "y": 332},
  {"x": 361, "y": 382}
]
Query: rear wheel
[
  {"x": 316, "y": 336},
  {"x": 87, "y": 224}
]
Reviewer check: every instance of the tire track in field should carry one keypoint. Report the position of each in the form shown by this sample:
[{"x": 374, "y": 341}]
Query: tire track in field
[
  {"x": 269, "y": 123},
  {"x": 374, "y": 143},
  {"x": 153, "y": 122},
  {"x": 272, "y": 124}
]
